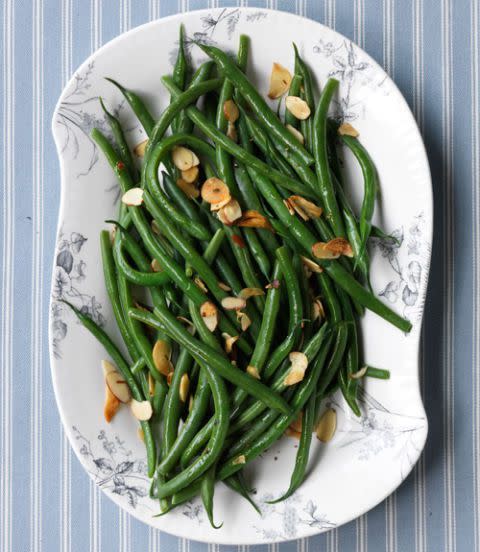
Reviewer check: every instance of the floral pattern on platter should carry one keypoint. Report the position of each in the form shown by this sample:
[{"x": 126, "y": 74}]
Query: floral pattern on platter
[
  {"x": 68, "y": 273},
  {"x": 409, "y": 264}
]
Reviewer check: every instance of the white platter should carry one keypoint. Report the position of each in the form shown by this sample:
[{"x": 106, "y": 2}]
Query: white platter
[{"x": 368, "y": 457}]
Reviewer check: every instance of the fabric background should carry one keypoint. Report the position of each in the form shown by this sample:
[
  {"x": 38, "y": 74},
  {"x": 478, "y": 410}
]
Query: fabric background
[{"x": 431, "y": 49}]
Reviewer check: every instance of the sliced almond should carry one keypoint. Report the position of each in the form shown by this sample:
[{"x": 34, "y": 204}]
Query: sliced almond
[
  {"x": 359, "y": 374},
  {"x": 230, "y": 212},
  {"x": 140, "y": 434},
  {"x": 142, "y": 410},
  {"x": 297, "y": 371},
  {"x": 292, "y": 433},
  {"x": 169, "y": 378},
  {"x": 108, "y": 367},
  {"x": 155, "y": 266},
  {"x": 209, "y": 314},
  {"x": 253, "y": 371},
  {"x": 231, "y": 112},
  {"x": 229, "y": 341},
  {"x": 223, "y": 286},
  {"x": 280, "y": 79},
  {"x": 232, "y": 132},
  {"x": 305, "y": 208},
  {"x": 151, "y": 385},
  {"x": 254, "y": 219},
  {"x": 133, "y": 197},
  {"x": 298, "y": 135},
  {"x": 289, "y": 206},
  {"x": 321, "y": 251},
  {"x": 217, "y": 206},
  {"x": 311, "y": 265},
  {"x": 346, "y": 129},
  {"x": 155, "y": 228},
  {"x": 296, "y": 425},
  {"x": 118, "y": 386},
  {"x": 297, "y": 107},
  {"x": 340, "y": 246},
  {"x": 246, "y": 293},
  {"x": 184, "y": 387},
  {"x": 318, "y": 312},
  {"x": 190, "y": 175},
  {"x": 327, "y": 425},
  {"x": 239, "y": 460},
  {"x": 111, "y": 406},
  {"x": 244, "y": 319},
  {"x": 199, "y": 283},
  {"x": 184, "y": 159},
  {"x": 139, "y": 149},
  {"x": 215, "y": 191},
  {"x": 161, "y": 357},
  {"x": 188, "y": 188},
  {"x": 233, "y": 303}
]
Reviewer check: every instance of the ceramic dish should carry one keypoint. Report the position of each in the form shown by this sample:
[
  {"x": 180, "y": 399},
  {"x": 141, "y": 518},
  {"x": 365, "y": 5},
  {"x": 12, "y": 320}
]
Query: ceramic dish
[{"x": 368, "y": 457}]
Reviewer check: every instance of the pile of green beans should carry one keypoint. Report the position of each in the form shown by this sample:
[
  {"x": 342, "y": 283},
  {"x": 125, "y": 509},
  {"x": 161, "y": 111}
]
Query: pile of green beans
[{"x": 228, "y": 395}]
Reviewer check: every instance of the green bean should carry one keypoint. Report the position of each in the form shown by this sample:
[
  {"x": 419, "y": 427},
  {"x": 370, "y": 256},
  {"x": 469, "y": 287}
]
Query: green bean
[
  {"x": 137, "y": 277},
  {"x": 185, "y": 125},
  {"x": 335, "y": 359},
  {"x": 257, "y": 103},
  {"x": 137, "y": 105},
  {"x": 206, "y": 492},
  {"x": 301, "y": 459},
  {"x": 138, "y": 366},
  {"x": 307, "y": 125},
  {"x": 124, "y": 370},
  {"x": 119, "y": 137},
  {"x": 236, "y": 484},
  {"x": 203, "y": 353},
  {"x": 370, "y": 186},
  {"x": 377, "y": 373},
  {"x": 294, "y": 90},
  {"x": 238, "y": 152},
  {"x": 180, "y": 71},
  {"x": 189, "y": 207},
  {"x": 321, "y": 159}
]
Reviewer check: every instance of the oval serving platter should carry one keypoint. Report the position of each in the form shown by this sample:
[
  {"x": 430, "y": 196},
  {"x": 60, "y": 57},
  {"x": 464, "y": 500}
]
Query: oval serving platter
[{"x": 368, "y": 457}]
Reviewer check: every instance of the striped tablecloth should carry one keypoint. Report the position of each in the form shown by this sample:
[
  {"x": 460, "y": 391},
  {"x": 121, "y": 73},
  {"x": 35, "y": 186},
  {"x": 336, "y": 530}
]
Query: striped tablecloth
[{"x": 431, "y": 49}]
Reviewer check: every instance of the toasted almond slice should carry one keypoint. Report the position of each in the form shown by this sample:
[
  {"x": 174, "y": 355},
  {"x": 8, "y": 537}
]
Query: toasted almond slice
[
  {"x": 140, "y": 434},
  {"x": 298, "y": 135},
  {"x": 215, "y": 191},
  {"x": 199, "y": 282},
  {"x": 244, "y": 320},
  {"x": 188, "y": 323},
  {"x": 296, "y": 425},
  {"x": 292, "y": 433},
  {"x": 305, "y": 208},
  {"x": 254, "y": 219},
  {"x": 161, "y": 357},
  {"x": 230, "y": 212},
  {"x": 139, "y": 149},
  {"x": 190, "y": 175},
  {"x": 340, "y": 246},
  {"x": 111, "y": 406},
  {"x": 297, "y": 107},
  {"x": 209, "y": 314},
  {"x": 217, "y": 206},
  {"x": 155, "y": 228},
  {"x": 229, "y": 341},
  {"x": 239, "y": 460},
  {"x": 155, "y": 266},
  {"x": 151, "y": 385},
  {"x": 184, "y": 159},
  {"x": 118, "y": 386},
  {"x": 233, "y": 303},
  {"x": 223, "y": 286},
  {"x": 108, "y": 367},
  {"x": 113, "y": 233},
  {"x": 142, "y": 410},
  {"x": 280, "y": 80},
  {"x": 318, "y": 312},
  {"x": 232, "y": 132},
  {"x": 297, "y": 371},
  {"x": 169, "y": 378},
  {"x": 327, "y": 425},
  {"x": 184, "y": 387},
  {"x": 289, "y": 206},
  {"x": 230, "y": 110},
  {"x": 359, "y": 374},
  {"x": 246, "y": 293},
  {"x": 273, "y": 284},
  {"x": 188, "y": 188},
  {"x": 311, "y": 265},
  {"x": 320, "y": 251},
  {"x": 253, "y": 371},
  {"x": 346, "y": 129},
  {"x": 133, "y": 197}
]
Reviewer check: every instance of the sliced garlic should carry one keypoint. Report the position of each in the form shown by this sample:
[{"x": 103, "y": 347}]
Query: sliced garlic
[
  {"x": 229, "y": 341},
  {"x": 297, "y": 371},
  {"x": 215, "y": 191},
  {"x": 133, "y": 197},
  {"x": 346, "y": 129},
  {"x": 320, "y": 251},
  {"x": 139, "y": 149},
  {"x": 327, "y": 426},
  {"x": 209, "y": 314},
  {"x": 233, "y": 303},
  {"x": 155, "y": 266},
  {"x": 142, "y": 410},
  {"x": 245, "y": 321},
  {"x": 311, "y": 265},
  {"x": 184, "y": 159},
  {"x": 184, "y": 387},
  {"x": 253, "y": 371},
  {"x": 280, "y": 79},
  {"x": 246, "y": 293},
  {"x": 188, "y": 188},
  {"x": 253, "y": 219},
  {"x": 190, "y": 175},
  {"x": 298, "y": 135},
  {"x": 297, "y": 107},
  {"x": 305, "y": 208},
  {"x": 231, "y": 112}
]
